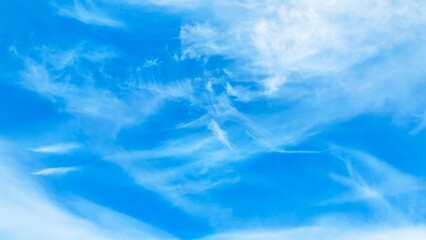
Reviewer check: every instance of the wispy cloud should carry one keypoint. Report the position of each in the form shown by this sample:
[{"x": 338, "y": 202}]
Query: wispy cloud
[
  {"x": 61, "y": 75},
  {"x": 276, "y": 35},
  {"x": 293, "y": 68},
  {"x": 56, "y": 171},
  {"x": 325, "y": 233},
  {"x": 59, "y": 148},
  {"x": 220, "y": 134},
  {"x": 307, "y": 59},
  {"x": 24, "y": 203},
  {"x": 180, "y": 169},
  {"x": 390, "y": 193},
  {"x": 85, "y": 11},
  {"x": 369, "y": 177}
]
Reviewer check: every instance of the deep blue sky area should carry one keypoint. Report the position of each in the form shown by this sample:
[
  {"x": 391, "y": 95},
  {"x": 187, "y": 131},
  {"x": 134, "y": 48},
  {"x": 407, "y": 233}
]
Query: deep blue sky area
[{"x": 175, "y": 119}]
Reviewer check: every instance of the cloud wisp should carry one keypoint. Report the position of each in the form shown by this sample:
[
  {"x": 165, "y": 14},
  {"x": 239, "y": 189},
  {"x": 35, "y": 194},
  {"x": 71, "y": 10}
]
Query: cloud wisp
[
  {"x": 391, "y": 194},
  {"x": 86, "y": 12},
  {"x": 59, "y": 148},
  {"x": 56, "y": 171},
  {"x": 24, "y": 203},
  {"x": 388, "y": 192},
  {"x": 61, "y": 75},
  {"x": 220, "y": 133},
  {"x": 324, "y": 233}
]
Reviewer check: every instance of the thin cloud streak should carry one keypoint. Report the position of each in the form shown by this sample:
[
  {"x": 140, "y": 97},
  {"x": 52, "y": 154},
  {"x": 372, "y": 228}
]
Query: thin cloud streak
[
  {"x": 59, "y": 148},
  {"x": 325, "y": 233},
  {"x": 56, "y": 171}
]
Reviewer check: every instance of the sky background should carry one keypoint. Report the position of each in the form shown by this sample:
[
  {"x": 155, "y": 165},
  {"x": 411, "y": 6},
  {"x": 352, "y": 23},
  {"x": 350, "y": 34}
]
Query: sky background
[{"x": 177, "y": 119}]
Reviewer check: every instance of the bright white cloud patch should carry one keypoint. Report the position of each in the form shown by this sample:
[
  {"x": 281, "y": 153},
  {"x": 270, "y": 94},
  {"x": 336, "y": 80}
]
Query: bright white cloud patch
[
  {"x": 56, "y": 171},
  {"x": 59, "y": 148},
  {"x": 305, "y": 36}
]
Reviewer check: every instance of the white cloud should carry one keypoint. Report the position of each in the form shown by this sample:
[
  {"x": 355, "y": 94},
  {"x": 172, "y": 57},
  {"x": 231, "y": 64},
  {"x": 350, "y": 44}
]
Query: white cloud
[
  {"x": 59, "y": 148},
  {"x": 372, "y": 179},
  {"x": 59, "y": 76},
  {"x": 85, "y": 11},
  {"x": 301, "y": 63},
  {"x": 181, "y": 169},
  {"x": 302, "y": 59},
  {"x": 325, "y": 233},
  {"x": 174, "y": 90},
  {"x": 220, "y": 134},
  {"x": 303, "y": 36},
  {"x": 391, "y": 194},
  {"x": 173, "y": 3},
  {"x": 317, "y": 63},
  {"x": 106, "y": 114},
  {"x": 151, "y": 63},
  {"x": 24, "y": 203},
  {"x": 56, "y": 171}
]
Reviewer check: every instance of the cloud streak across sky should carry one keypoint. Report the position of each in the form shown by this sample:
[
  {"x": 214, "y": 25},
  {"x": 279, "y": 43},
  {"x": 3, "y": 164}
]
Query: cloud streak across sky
[
  {"x": 231, "y": 119},
  {"x": 55, "y": 171},
  {"x": 59, "y": 148}
]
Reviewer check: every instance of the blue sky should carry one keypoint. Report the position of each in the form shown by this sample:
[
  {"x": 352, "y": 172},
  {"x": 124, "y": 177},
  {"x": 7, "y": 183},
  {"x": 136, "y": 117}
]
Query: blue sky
[{"x": 177, "y": 119}]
